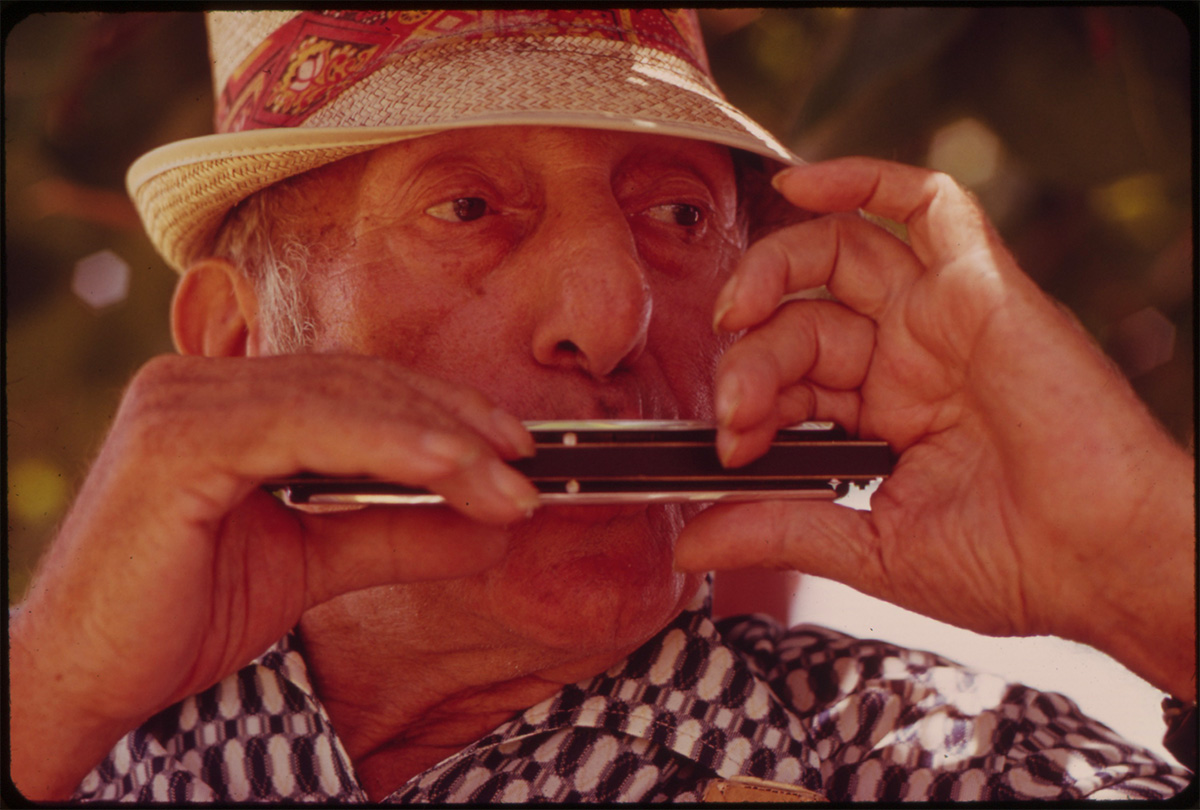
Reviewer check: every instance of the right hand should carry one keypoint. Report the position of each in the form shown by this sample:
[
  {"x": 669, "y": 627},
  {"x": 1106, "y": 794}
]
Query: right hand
[
  {"x": 174, "y": 568},
  {"x": 1033, "y": 492}
]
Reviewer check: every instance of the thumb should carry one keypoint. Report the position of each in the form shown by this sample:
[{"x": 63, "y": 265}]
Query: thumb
[
  {"x": 818, "y": 538},
  {"x": 387, "y": 546}
]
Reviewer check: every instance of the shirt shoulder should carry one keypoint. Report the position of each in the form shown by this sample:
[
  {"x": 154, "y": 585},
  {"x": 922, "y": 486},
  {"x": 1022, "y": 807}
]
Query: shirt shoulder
[
  {"x": 259, "y": 735},
  {"x": 894, "y": 723}
]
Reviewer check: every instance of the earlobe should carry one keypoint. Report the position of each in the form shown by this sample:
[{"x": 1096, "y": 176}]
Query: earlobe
[{"x": 215, "y": 311}]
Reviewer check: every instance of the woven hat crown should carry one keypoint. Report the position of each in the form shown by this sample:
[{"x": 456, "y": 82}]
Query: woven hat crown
[
  {"x": 297, "y": 90},
  {"x": 281, "y": 69}
]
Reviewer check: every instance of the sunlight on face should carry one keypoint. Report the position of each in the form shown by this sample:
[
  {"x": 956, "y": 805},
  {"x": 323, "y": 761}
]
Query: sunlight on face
[{"x": 565, "y": 274}]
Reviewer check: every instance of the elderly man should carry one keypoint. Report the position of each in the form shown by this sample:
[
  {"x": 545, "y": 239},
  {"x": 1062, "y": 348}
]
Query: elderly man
[{"x": 418, "y": 229}]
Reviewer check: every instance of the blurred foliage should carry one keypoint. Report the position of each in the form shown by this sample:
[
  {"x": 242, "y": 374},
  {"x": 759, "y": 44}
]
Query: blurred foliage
[{"x": 1072, "y": 124}]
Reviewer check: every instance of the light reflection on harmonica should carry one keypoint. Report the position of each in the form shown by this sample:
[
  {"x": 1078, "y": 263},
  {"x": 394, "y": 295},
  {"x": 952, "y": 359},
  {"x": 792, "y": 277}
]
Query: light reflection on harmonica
[{"x": 642, "y": 461}]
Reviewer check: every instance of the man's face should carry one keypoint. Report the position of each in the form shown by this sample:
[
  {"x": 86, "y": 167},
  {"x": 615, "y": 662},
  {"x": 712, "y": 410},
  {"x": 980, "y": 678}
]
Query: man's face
[{"x": 566, "y": 274}]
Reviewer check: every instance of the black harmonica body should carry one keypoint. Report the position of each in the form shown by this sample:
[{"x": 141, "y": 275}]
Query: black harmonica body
[{"x": 642, "y": 461}]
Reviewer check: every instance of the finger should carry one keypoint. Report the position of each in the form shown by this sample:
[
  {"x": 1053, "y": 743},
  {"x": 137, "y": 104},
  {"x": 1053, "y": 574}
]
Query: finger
[
  {"x": 859, "y": 262},
  {"x": 489, "y": 491},
  {"x": 303, "y": 560},
  {"x": 510, "y": 437},
  {"x": 820, "y": 538},
  {"x": 457, "y": 465},
  {"x": 391, "y": 546},
  {"x": 297, "y": 416},
  {"x": 822, "y": 342},
  {"x": 365, "y": 410},
  {"x": 798, "y": 403},
  {"x": 943, "y": 219},
  {"x": 808, "y": 402},
  {"x": 769, "y": 378}
]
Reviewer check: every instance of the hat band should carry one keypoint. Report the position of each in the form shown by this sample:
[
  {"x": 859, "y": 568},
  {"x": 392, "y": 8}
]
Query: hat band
[{"x": 313, "y": 58}]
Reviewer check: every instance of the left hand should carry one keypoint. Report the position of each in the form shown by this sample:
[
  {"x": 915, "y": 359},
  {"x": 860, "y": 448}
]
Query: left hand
[{"x": 1033, "y": 492}]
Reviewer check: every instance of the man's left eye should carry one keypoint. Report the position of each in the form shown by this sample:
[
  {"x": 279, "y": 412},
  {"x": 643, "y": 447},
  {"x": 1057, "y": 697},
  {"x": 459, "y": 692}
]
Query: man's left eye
[
  {"x": 462, "y": 209},
  {"x": 682, "y": 214}
]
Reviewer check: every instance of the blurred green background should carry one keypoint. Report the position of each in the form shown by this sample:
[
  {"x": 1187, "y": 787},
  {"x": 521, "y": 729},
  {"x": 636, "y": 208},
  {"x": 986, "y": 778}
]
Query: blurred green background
[{"x": 1072, "y": 124}]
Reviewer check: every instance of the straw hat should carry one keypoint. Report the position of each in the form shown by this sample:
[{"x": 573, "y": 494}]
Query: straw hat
[{"x": 298, "y": 90}]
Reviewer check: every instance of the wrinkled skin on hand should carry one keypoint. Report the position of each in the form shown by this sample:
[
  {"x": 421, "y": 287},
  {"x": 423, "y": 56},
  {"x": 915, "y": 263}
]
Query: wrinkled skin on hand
[
  {"x": 177, "y": 489},
  {"x": 1033, "y": 492}
]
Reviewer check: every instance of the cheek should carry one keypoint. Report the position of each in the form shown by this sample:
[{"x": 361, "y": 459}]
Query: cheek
[
  {"x": 397, "y": 293},
  {"x": 383, "y": 309},
  {"x": 687, "y": 350}
]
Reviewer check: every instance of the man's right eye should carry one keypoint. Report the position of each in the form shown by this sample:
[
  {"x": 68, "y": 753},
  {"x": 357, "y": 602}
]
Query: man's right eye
[{"x": 462, "y": 209}]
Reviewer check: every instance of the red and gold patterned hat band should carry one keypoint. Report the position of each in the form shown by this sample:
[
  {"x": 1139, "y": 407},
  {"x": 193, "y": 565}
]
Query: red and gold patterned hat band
[
  {"x": 315, "y": 57},
  {"x": 298, "y": 90}
]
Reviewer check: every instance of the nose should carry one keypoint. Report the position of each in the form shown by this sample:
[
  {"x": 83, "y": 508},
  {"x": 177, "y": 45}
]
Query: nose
[{"x": 596, "y": 302}]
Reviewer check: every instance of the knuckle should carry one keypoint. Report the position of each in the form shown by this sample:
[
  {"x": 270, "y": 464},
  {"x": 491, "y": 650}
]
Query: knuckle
[
  {"x": 153, "y": 387},
  {"x": 778, "y": 257},
  {"x": 943, "y": 185},
  {"x": 451, "y": 402},
  {"x": 329, "y": 376},
  {"x": 162, "y": 367},
  {"x": 150, "y": 411},
  {"x": 942, "y": 179}
]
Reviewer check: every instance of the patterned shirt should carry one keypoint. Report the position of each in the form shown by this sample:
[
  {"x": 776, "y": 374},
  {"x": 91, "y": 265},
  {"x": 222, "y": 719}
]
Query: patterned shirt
[{"x": 702, "y": 701}]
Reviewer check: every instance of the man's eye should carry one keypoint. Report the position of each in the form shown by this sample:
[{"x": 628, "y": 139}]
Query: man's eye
[
  {"x": 463, "y": 209},
  {"x": 682, "y": 214}
]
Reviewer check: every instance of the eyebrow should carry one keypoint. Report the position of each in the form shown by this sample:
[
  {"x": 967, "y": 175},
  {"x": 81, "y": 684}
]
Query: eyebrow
[
  {"x": 486, "y": 158},
  {"x": 705, "y": 162}
]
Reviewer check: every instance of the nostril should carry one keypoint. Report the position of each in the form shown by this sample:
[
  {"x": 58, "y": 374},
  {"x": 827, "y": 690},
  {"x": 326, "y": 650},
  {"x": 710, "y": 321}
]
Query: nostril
[{"x": 567, "y": 346}]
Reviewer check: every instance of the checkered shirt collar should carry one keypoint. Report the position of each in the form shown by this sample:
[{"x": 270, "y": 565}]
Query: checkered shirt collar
[{"x": 689, "y": 703}]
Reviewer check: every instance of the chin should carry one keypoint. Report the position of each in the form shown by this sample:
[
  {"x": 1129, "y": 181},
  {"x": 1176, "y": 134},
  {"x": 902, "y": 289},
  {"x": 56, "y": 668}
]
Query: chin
[{"x": 591, "y": 580}]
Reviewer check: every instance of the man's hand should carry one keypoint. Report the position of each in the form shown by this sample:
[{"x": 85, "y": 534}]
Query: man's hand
[
  {"x": 1033, "y": 492},
  {"x": 174, "y": 568}
]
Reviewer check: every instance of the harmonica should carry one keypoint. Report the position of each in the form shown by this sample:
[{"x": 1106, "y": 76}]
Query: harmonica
[{"x": 642, "y": 461}]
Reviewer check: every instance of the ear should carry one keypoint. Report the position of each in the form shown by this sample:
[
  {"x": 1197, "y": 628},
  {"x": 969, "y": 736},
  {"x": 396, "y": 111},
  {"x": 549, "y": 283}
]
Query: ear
[{"x": 215, "y": 311}]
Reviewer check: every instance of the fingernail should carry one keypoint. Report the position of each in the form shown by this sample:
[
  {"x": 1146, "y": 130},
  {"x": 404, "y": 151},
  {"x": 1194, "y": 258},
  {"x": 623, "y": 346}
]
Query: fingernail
[
  {"x": 728, "y": 397},
  {"x": 678, "y": 567},
  {"x": 509, "y": 427},
  {"x": 727, "y": 444},
  {"x": 513, "y": 486},
  {"x": 722, "y": 311},
  {"x": 781, "y": 176}
]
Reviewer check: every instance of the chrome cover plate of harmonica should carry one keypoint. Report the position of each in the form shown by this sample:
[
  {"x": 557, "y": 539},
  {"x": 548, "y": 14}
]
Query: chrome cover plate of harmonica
[
  {"x": 641, "y": 461},
  {"x": 362, "y": 499}
]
